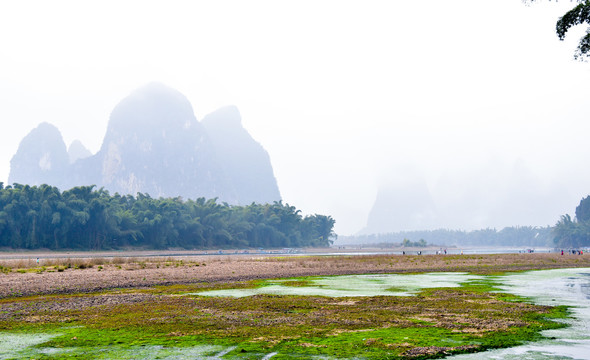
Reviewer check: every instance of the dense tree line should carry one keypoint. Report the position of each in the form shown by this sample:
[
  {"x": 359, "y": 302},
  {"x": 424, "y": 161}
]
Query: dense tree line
[
  {"x": 525, "y": 236},
  {"x": 419, "y": 243},
  {"x": 574, "y": 233},
  {"x": 33, "y": 217}
]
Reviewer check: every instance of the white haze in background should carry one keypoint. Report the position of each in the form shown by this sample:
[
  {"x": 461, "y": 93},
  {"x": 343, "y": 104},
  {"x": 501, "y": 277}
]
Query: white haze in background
[{"x": 477, "y": 100}]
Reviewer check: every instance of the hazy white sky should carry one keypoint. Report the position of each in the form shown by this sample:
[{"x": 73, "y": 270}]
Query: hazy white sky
[{"x": 479, "y": 99}]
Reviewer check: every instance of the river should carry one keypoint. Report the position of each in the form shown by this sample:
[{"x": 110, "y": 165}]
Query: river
[{"x": 569, "y": 287}]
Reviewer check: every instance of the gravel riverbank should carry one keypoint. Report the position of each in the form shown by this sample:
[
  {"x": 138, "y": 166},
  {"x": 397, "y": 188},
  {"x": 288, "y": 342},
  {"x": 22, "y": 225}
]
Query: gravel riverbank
[{"x": 92, "y": 274}]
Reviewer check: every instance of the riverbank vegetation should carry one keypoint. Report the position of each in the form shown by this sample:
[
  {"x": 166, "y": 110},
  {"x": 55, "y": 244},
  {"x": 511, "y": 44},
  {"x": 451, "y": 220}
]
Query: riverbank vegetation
[
  {"x": 574, "y": 233},
  {"x": 84, "y": 218},
  {"x": 171, "y": 320},
  {"x": 526, "y": 236}
]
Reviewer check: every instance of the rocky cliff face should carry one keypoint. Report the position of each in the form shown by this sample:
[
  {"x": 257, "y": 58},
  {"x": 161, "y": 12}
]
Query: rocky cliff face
[
  {"x": 41, "y": 157},
  {"x": 245, "y": 162},
  {"x": 155, "y": 145}
]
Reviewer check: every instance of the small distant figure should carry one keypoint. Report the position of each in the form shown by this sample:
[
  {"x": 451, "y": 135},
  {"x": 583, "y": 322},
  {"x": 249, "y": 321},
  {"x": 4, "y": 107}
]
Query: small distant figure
[
  {"x": 37, "y": 261},
  {"x": 445, "y": 251},
  {"x": 461, "y": 252},
  {"x": 403, "y": 253},
  {"x": 562, "y": 252}
]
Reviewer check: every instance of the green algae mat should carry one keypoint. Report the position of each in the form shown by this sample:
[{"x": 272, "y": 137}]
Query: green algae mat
[{"x": 340, "y": 317}]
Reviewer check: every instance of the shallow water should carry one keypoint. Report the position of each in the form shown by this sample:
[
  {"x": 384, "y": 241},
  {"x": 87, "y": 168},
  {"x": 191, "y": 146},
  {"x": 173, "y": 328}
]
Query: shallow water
[
  {"x": 547, "y": 287},
  {"x": 21, "y": 346},
  {"x": 569, "y": 287},
  {"x": 354, "y": 285},
  {"x": 12, "y": 344}
]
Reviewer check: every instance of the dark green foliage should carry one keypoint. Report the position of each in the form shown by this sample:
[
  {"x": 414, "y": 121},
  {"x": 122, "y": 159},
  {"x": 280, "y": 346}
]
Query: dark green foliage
[
  {"x": 569, "y": 233},
  {"x": 574, "y": 233},
  {"x": 420, "y": 243},
  {"x": 34, "y": 217},
  {"x": 576, "y": 16},
  {"x": 583, "y": 210}
]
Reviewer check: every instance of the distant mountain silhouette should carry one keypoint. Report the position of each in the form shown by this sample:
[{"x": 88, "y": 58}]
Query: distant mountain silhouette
[
  {"x": 405, "y": 207},
  {"x": 77, "y": 151},
  {"x": 245, "y": 162},
  {"x": 41, "y": 157},
  {"x": 155, "y": 145}
]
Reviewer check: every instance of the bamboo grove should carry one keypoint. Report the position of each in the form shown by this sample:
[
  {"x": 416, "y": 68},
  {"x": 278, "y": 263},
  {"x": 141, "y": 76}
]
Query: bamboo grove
[
  {"x": 86, "y": 218},
  {"x": 574, "y": 233}
]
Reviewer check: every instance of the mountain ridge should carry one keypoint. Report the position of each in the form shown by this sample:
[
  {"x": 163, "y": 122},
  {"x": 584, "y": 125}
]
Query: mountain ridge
[{"x": 155, "y": 145}]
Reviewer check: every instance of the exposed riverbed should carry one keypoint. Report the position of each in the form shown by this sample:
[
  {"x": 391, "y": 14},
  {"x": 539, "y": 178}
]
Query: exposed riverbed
[{"x": 569, "y": 287}]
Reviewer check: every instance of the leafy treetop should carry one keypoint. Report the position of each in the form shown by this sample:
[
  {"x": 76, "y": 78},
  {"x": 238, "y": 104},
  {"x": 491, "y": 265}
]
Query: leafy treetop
[{"x": 576, "y": 16}]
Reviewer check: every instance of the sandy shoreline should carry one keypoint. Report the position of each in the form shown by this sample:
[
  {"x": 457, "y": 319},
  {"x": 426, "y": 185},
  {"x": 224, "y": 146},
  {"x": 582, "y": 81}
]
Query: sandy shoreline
[{"x": 125, "y": 272}]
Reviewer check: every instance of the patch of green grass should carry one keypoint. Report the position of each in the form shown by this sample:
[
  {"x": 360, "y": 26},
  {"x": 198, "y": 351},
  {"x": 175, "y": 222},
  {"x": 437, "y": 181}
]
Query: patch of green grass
[
  {"x": 203, "y": 286},
  {"x": 449, "y": 320},
  {"x": 397, "y": 289},
  {"x": 298, "y": 283},
  {"x": 482, "y": 285}
]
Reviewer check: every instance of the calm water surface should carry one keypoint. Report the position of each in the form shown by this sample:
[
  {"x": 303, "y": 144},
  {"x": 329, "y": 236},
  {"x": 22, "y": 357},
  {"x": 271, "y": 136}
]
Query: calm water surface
[{"x": 569, "y": 287}]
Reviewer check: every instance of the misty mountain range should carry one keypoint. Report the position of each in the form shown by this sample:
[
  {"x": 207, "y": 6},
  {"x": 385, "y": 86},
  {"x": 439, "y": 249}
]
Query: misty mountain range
[
  {"x": 483, "y": 198},
  {"x": 155, "y": 145}
]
